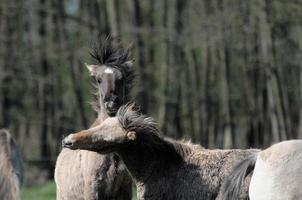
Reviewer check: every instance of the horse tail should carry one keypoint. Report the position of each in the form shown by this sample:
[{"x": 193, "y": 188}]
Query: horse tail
[{"x": 231, "y": 187}]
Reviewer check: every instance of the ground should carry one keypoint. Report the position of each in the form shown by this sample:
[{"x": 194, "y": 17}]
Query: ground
[{"x": 43, "y": 192}]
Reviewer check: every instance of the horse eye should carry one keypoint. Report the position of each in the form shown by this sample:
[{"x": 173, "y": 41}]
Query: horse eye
[{"x": 99, "y": 81}]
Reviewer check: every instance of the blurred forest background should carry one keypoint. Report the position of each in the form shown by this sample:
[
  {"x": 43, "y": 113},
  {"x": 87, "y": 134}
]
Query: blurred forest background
[{"x": 225, "y": 73}]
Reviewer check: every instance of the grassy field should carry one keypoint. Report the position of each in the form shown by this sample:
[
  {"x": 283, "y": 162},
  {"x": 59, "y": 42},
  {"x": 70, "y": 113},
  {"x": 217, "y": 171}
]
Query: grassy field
[{"x": 44, "y": 192}]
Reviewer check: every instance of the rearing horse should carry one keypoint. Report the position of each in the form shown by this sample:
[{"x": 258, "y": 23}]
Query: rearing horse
[{"x": 85, "y": 175}]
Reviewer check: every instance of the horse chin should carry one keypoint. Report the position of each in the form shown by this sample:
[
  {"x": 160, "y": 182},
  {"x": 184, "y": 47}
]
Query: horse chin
[
  {"x": 78, "y": 146},
  {"x": 71, "y": 146}
]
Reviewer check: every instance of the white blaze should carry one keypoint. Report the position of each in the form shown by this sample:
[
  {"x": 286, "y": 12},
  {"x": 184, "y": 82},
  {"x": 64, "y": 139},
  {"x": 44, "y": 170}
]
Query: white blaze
[{"x": 108, "y": 71}]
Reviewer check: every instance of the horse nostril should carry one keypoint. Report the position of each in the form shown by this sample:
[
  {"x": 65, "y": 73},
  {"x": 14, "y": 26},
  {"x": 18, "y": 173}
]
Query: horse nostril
[{"x": 66, "y": 142}]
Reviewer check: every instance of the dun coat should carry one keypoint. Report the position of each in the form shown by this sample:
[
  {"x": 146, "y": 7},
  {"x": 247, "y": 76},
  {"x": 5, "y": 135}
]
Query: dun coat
[
  {"x": 161, "y": 168},
  {"x": 86, "y": 175}
]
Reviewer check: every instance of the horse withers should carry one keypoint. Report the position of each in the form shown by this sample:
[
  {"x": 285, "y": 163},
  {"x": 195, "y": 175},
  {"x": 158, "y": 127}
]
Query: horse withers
[
  {"x": 11, "y": 168},
  {"x": 161, "y": 168}
]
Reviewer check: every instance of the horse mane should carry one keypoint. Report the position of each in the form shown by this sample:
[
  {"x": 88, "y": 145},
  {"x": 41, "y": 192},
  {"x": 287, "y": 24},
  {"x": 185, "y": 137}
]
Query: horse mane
[
  {"x": 132, "y": 120},
  {"x": 11, "y": 170},
  {"x": 149, "y": 135}
]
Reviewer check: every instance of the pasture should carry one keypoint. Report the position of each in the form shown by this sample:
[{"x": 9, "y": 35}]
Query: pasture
[{"x": 46, "y": 191}]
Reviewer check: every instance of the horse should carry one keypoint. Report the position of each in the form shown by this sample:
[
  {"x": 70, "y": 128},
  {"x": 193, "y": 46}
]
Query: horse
[
  {"x": 88, "y": 175},
  {"x": 161, "y": 168},
  {"x": 11, "y": 168},
  {"x": 276, "y": 173}
]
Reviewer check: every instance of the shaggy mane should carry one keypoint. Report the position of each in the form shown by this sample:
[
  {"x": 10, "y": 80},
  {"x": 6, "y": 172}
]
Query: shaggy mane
[
  {"x": 147, "y": 129},
  {"x": 132, "y": 120},
  {"x": 111, "y": 53}
]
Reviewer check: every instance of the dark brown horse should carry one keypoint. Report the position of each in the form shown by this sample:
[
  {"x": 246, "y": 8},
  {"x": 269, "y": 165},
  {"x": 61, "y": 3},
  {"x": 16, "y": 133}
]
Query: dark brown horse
[
  {"x": 11, "y": 168},
  {"x": 88, "y": 175},
  {"x": 162, "y": 168}
]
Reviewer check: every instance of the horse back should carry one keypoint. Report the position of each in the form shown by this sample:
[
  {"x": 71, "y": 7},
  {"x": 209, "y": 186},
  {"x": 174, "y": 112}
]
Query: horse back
[{"x": 278, "y": 172}]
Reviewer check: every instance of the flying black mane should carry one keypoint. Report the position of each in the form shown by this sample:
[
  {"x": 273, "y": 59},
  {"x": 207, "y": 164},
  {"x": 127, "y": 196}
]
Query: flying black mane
[
  {"x": 111, "y": 53},
  {"x": 132, "y": 120},
  {"x": 148, "y": 133}
]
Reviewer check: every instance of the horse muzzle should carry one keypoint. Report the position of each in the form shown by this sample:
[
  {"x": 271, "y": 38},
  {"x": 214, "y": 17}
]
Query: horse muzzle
[
  {"x": 111, "y": 107},
  {"x": 68, "y": 142}
]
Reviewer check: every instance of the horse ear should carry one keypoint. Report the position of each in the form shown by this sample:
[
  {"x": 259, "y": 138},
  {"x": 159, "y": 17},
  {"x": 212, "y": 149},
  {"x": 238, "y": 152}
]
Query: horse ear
[
  {"x": 131, "y": 135},
  {"x": 131, "y": 107},
  {"x": 129, "y": 63},
  {"x": 91, "y": 69}
]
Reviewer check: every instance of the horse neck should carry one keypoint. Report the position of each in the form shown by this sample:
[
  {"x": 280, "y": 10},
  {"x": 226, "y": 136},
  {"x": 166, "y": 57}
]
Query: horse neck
[
  {"x": 146, "y": 161},
  {"x": 102, "y": 113}
]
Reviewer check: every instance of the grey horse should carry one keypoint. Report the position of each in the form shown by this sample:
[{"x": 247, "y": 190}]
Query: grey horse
[{"x": 277, "y": 174}]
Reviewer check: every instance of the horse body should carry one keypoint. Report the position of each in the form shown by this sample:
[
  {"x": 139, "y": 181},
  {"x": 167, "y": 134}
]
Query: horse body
[
  {"x": 85, "y": 175},
  {"x": 198, "y": 175},
  {"x": 11, "y": 168},
  {"x": 278, "y": 172},
  {"x": 69, "y": 175},
  {"x": 92, "y": 175},
  {"x": 161, "y": 168}
]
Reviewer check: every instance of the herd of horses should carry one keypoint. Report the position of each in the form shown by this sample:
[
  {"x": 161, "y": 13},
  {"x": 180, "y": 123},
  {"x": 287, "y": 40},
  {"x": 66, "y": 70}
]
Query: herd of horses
[{"x": 124, "y": 147}]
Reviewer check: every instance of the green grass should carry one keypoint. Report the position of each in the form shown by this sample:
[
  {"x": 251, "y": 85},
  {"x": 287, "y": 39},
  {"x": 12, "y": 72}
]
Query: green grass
[
  {"x": 46, "y": 192},
  {"x": 43, "y": 192}
]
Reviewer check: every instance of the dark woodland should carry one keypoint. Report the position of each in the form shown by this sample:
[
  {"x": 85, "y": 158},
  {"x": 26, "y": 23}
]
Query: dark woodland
[{"x": 225, "y": 74}]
